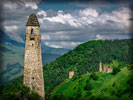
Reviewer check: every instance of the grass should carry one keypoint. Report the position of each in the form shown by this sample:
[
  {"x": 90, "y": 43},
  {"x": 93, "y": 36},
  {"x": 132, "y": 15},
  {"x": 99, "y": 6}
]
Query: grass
[{"x": 108, "y": 86}]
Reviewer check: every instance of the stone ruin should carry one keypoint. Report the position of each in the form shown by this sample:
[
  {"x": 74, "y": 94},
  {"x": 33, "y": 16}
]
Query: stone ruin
[
  {"x": 71, "y": 74},
  {"x": 105, "y": 69}
]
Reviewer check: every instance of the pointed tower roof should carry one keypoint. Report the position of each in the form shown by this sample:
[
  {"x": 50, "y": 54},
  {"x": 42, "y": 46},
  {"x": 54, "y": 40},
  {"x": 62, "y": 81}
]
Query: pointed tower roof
[{"x": 32, "y": 21}]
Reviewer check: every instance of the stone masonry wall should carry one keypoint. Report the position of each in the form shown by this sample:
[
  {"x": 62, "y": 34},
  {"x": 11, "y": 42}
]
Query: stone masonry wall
[{"x": 33, "y": 71}]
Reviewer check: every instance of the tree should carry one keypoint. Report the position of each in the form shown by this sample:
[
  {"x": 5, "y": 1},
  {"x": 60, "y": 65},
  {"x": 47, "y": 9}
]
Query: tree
[
  {"x": 94, "y": 76},
  {"x": 116, "y": 70}
]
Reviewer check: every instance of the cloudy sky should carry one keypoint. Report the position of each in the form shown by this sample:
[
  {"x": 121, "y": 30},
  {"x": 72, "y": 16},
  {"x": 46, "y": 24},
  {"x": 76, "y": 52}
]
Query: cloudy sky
[{"x": 68, "y": 24}]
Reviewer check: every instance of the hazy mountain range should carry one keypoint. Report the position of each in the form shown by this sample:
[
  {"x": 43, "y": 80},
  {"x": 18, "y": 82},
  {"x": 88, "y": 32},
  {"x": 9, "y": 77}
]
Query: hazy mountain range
[{"x": 12, "y": 56}]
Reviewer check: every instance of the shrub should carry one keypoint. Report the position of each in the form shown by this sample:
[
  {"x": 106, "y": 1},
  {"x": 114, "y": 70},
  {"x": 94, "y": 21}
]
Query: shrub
[
  {"x": 130, "y": 87},
  {"x": 55, "y": 97},
  {"x": 130, "y": 67},
  {"x": 71, "y": 98},
  {"x": 75, "y": 77},
  {"x": 78, "y": 93},
  {"x": 24, "y": 90},
  {"x": 23, "y": 94},
  {"x": 88, "y": 93},
  {"x": 94, "y": 76},
  {"x": 33, "y": 96},
  {"x": 88, "y": 86},
  {"x": 116, "y": 70}
]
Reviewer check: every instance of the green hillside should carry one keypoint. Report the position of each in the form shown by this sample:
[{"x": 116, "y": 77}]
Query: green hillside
[
  {"x": 105, "y": 87},
  {"x": 85, "y": 58}
]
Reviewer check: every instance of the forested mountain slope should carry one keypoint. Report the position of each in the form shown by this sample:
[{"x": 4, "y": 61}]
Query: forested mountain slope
[{"x": 85, "y": 58}]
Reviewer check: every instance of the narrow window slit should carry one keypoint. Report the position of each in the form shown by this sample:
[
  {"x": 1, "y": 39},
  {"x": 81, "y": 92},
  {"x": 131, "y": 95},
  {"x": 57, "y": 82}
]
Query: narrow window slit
[{"x": 32, "y": 31}]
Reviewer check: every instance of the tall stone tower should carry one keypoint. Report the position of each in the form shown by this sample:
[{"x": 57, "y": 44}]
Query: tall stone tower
[
  {"x": 33, "y": 71},
  {"x": 100, "y": 67}
]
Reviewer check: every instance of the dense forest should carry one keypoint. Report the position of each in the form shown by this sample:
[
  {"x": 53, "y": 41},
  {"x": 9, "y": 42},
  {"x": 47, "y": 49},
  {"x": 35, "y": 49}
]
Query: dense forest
[{"x": 84, "y": 58}]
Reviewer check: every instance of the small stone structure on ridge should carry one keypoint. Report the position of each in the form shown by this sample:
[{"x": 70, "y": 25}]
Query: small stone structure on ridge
[
  {"x": 100, "y": 67},
  {"x": 105, "y": 68},
  {"x": 71, "y": 74}
]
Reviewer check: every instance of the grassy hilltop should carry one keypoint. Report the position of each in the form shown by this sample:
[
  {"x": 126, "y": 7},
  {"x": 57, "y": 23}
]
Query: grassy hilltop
[{"x": 98, "y": 86}]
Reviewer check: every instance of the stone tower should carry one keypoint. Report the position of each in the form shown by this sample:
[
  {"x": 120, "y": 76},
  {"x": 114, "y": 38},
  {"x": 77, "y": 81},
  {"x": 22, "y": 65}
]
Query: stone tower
[
  {"x": 100, "y": 67},
  {"x": 33, "y": 71},
  {"x": 71, "y": 74}
]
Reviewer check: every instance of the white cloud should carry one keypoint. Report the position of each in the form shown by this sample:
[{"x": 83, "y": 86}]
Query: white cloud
[
  {"x": 98, "y": 37},
  {"x": 86, "y": 24},
  {"x": 60, "y": 44},
  {"x": 46, "y": 37},
  {"x": 10, "y": 28},
  {"x": 64, "y": 19},
  {"x": 59, "y": 18},
  {"x": 88, "y": 12},
  {"x": 42, "y": 13},
  {"x": 74, "y": 20},
  {"x": 123, "y": 14},
  {"x": 52, "y": 45},
  {"x": 119, "y": 16},
  {"x": 32, "y": 5},
  {"x": 56, "y": 36},
  {"x": 10, "y": 5}
]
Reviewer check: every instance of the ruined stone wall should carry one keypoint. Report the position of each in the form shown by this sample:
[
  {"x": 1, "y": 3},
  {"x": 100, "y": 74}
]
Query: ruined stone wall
[
  {"x": 110, "y": 70},
  {"x": 105, "y": 68}
]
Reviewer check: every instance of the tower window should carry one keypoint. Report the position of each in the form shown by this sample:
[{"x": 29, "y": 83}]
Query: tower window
[
  {"x": 32, "y": 31},
  {"x": 31, "y": 38}
]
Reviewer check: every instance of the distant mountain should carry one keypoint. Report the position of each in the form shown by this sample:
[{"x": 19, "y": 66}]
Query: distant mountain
[
  {"x": 49, "y": 57},
  {"x": 4, "y": 38},
  {"x": 12, "y": 61},
  {"x": 58, "y": 51},
  {"x": 12, "y": 57}
]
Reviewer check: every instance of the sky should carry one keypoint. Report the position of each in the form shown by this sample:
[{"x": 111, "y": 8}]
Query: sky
[{"x": 68, "y": 24}]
